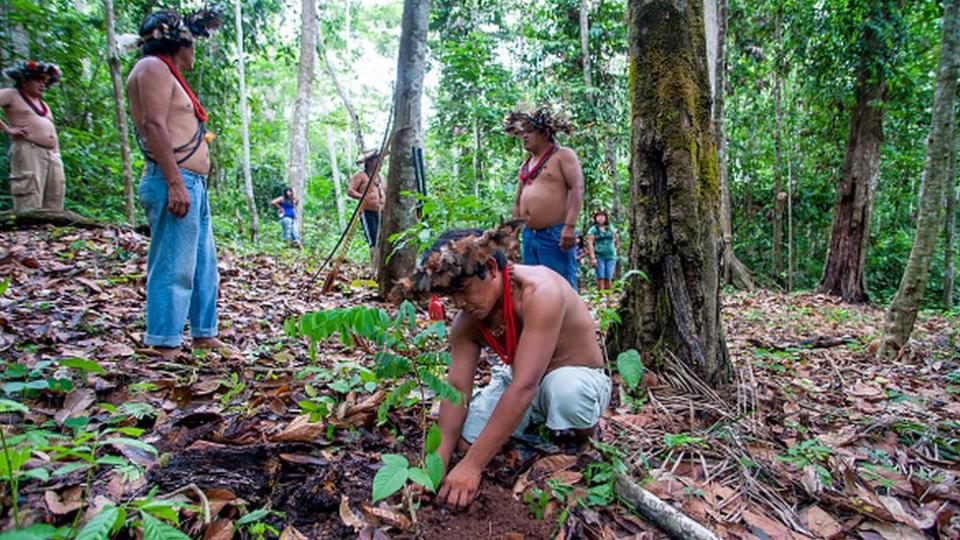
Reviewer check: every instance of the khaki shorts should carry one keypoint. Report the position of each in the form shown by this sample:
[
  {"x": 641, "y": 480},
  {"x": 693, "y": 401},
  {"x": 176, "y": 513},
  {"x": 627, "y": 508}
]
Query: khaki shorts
[
  {"x": 36, "y": 176},
  {"x": 570, "y": 397}
]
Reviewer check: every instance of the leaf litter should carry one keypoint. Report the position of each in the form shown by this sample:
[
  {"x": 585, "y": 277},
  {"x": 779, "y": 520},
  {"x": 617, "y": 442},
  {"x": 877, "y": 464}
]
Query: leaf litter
[{"x": 813, "y": 438}]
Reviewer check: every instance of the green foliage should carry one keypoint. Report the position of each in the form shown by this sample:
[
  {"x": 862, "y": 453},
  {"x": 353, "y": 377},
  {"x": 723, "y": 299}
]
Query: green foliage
[
  {"x": 630, "y": 367},
  {"x": 396, "y": 469}
]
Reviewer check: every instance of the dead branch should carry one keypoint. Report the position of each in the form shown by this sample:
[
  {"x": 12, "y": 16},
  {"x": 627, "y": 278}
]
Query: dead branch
[{"x": 669, "y": 519}]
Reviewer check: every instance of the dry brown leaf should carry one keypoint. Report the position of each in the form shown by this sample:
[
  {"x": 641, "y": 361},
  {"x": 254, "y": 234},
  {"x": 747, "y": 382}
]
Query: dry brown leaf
[
  {"x": 70, "y": 501},
  {"x": 567, "y": 478},
  {"x": 902, "y": 512},
  {"x": 75, "y": 404},
  {"x": 867, "y": 391},
  {"x": 389, "y": 517},
  {"x": 552, "y": 464},
  {"x": 349, "y": 517},
  {"x": 770, "y": 527},
  {"x": 370, "y": 403},
  {"x": 819, "y": 522},
  {"x": 893, "y": 531},
  {"x": 221, "y": 529},
  {"x": 372, "y": 533},
  {"x": 291, "y": 533},
  {"x": 301, "y": 429}
]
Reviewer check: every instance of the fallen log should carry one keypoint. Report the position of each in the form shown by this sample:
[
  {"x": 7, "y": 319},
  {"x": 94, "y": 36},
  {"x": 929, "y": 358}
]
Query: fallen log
[
  {"x": 20, "y": 219},
  {"x": 667, "y": 518},
  {"x": 818, "y": 342}
]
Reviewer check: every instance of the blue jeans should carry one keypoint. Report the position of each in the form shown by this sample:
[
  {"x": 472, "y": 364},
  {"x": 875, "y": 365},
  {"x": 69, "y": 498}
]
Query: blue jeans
[
  {"x": 289, "y": 230},
  {"x": 182, "y": 273},
  {"x": 605, "y": 268},
  {"x": 542, "y": 246}
]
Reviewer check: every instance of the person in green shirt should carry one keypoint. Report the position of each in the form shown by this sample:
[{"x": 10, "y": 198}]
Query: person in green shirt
[{"x": 602, "y": 245}]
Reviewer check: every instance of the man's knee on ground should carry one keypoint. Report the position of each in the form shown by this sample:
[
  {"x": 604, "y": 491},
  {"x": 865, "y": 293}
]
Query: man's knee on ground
[{"x": 569, "y": 401}]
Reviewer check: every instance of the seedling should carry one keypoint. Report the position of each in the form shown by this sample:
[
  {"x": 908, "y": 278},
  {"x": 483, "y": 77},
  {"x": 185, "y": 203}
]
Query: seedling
[{"x": 396, "y": 471}]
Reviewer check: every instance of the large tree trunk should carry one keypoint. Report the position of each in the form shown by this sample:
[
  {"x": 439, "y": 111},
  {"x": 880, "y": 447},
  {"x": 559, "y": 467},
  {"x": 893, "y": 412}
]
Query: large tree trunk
[
  {"x": 843, "y": 271},
  {"x": 398, "y": 213},
  {"x": 903, "y": 308},
  {"x": 950, "y": 227},
  {"x": 114, "y": 59},
  {"x": 297, "y": 172},
  {"x": 673, "y": 312},
  {"x": 734, "y": 272},
  {"x": 245, "y": 127}
]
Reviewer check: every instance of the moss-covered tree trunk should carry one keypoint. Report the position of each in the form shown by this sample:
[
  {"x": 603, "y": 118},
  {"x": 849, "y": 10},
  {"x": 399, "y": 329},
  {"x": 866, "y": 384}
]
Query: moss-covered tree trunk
[
  {"x": 398, "y": 212},
  {"x": 902, "y": 312},
  {"x": 950, "y": 231},
  {"x": 674, "y": 311}
]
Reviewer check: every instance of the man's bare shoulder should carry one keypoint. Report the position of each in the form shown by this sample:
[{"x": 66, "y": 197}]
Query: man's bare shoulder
[
  {"x": 542, "y": 288},
  {"x": 566, "y": 153},
  {"x": 6, "y": 96},
  {"x": 148, "y": 67},
  {"x": 464, "y": 328}
]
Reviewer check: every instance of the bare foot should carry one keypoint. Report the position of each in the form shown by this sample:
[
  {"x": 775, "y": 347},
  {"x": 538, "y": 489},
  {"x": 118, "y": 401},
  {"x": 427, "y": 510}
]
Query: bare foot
[
  {"x": 167, "y": 353},
  {"x": 214, "y": 344}
]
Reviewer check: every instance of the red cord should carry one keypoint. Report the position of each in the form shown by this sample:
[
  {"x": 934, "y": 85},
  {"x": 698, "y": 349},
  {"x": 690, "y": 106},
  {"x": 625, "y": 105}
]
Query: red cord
[{"x": 198, "y": 109}]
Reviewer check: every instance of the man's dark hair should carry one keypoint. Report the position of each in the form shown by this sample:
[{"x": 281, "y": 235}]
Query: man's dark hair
[
  {"x": 454, "y": 235},
  {"x": 162, "y": 46},
  {"x": 370, "y": 164}
]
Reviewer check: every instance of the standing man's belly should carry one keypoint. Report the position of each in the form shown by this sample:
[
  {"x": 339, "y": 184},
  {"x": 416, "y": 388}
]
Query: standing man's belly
[
  {"x": 199, "y": 162},
  {"x": 543, "y": 205}
]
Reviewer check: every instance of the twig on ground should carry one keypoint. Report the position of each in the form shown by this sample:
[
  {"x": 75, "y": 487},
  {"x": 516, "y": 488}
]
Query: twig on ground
[{"x": 667, "y": 518}]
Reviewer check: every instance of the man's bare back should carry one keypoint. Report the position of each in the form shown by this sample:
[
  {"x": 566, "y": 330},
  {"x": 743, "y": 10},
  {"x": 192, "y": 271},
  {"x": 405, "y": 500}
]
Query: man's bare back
[
  {"x": 544, "y": 201},
  {"x": 151, "y": 87},
  {"x": 30, "y": 126}
]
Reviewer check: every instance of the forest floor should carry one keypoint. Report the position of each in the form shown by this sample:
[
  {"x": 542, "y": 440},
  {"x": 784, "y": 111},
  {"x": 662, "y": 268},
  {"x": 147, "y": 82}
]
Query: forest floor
[{"x": 812, "y": 439}]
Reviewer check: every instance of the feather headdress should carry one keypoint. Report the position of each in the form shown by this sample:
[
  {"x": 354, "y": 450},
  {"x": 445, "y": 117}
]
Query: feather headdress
[
  {"x": 32, "y": 69},
  {"x": 543, "y": 119}
]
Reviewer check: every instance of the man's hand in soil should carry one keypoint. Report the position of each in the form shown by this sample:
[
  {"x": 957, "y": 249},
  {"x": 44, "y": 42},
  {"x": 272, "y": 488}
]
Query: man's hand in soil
[
  {"x": 461, "y": 486},
  {"x": 178, "y": 199}
]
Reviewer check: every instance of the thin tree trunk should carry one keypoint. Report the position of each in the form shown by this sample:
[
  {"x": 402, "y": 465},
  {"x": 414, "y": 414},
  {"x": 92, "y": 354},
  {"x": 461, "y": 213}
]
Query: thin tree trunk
[
  {"x": 777, "y": 157},
  {"x": 476, "y": 158},
  {"x": 789, "y": 224},
  {"x": 245, "y": 128},
  {"x": 337, "y": 189},
  {"x": 348, "y": 90},
  {"x": 398, "y": 214},
  {"x": 674, "y": 311},
  {"x": 585, "y": 43},
  {"x": 115, "y": 77},
  {"x": 297, "y": 171},
  {"x": 344, "y": 96},
  {"x": 902, "y": 313},
  {"x": 949, "y": 232},
  {"x": 734, "y": 272}
]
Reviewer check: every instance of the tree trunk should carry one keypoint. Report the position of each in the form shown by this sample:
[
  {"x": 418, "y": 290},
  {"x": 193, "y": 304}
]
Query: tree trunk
[
  {"x": 734, "y": 272},
  {"x": 398, "y": 215},
  {"x": 337, "y": 189},
  {"x": 297, "y": 172},
  {"x": 476, "y": 158},
  {"x": 777, "y": 156},
  {"x": 610, "y": 156},
  {"x": 903, "y": 308},
  {"x": 585, "y": 44},
  {"x": 843, "y": 270},
  {"x": 950, "y": 226},
  {"x": 115, "y": 77},
  {"x": 245, "y": 127},
  {"x": 344, "y": 96},
  {"x": 348, "y": 91},
  {"x": 673, "y": 312}
]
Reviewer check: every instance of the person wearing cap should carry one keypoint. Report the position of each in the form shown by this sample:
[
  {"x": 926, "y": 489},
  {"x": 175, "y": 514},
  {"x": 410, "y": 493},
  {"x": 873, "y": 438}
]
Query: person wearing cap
[
  {"x": 36, "y": 171},
  {"x": 552, "y": 373},
  {"x": 370, "y": 192},
  {"x": 549, "y": 191},
  {"x": 170, "y": 125}
]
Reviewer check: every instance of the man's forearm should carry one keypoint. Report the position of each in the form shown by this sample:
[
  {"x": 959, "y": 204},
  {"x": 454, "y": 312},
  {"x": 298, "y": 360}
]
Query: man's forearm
[
  {"x": 158, "y": 144},
  {"x": 451, "y": 422},
  {"x": 504, "y": 419}
]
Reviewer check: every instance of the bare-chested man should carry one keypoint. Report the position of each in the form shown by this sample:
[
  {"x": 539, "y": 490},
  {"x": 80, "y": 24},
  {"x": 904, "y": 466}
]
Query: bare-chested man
[
  {"x": 552, "y": 372},
  {"x": 36, "y": 172},
  {"x": 372, "y": 206},
  {"x": 182, "y": 276},
  {"x": 549, "y": 192}
]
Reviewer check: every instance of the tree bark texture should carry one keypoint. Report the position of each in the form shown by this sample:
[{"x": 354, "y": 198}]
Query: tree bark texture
[
  {"x": 245, "y": 127},
  {"x": 674, "y": 311},
  {"x": 843, "y": 270},
  {"x": 734, "y": 272},
  {"x": 297, "y": 171},
  {"x": 950, "y": 230},
  {"x": 777, "y": 251},
  {"x": 399, "y": 211},
  {"x": 902, "y": 312},
  {"x": 610, "y": 157},
  {"x": 115, "y": 77}
]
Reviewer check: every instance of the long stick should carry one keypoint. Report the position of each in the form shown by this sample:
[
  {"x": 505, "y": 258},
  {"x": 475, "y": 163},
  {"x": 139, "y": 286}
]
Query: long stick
[{"x": 669, "y": 519}]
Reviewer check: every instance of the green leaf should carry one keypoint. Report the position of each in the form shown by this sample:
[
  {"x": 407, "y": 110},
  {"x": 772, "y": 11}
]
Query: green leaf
[
  {"x": 99, "y": 527},
  {"x": 421, "y": 477},
  {"x": 391, "y": 477},
  {"x": 37, "y": 531},
  {"x": 38, "y": 473},
  {"x": 154, "y": 529},
  {"x": 432, "y": 442},
  {"x": 82, "y": 364},
  {"x": 434, "y": 468},
  {"x": 132, "y": 442},
  {"x": 442, "y": 388},
  {"x": 70, "y": 467},
  {"x": 252, "y": 517},
  {"x": 630, "y": 367},
  {"x": 8, "y": 405}
]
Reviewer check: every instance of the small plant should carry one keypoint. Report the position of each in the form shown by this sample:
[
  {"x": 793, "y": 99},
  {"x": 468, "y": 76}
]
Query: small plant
[
  {"x": 630, "y": 367},
  {"x": 254, "y": 524},
  {"x": 810, "y": 452},
  {"x": 396, "y": 470},
  {"x": 678, "y": 440}
]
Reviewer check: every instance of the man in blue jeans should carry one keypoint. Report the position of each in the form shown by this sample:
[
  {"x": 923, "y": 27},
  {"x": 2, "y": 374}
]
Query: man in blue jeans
[
  {"x": 182, "y": 276},
  {"x": 549, "y": 192}
]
